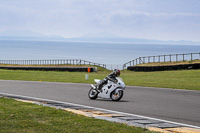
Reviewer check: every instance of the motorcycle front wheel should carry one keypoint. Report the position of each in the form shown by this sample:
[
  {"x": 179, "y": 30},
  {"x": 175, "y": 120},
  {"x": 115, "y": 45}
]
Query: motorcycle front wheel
[
  {"x": 116, "y": 96},
  {"x": 93, "y": 94}
]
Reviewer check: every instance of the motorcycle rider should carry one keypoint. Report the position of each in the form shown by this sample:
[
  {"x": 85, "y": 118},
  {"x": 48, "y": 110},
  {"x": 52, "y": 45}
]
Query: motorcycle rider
[{"x": 112, "y": 76}]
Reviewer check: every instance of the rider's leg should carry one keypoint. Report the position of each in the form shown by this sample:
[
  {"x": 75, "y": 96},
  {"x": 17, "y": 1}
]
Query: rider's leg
[{"x": 99, "y": 87}]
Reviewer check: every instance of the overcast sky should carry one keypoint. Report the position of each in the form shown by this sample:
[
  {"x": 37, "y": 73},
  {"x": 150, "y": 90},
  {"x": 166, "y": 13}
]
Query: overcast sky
[{"x": 149, "y": 19}]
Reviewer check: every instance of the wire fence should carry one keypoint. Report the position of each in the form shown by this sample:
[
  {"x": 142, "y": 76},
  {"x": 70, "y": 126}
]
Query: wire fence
[
  {"x": 51, "y": 62},
  {"x": 163, "y": 58}
]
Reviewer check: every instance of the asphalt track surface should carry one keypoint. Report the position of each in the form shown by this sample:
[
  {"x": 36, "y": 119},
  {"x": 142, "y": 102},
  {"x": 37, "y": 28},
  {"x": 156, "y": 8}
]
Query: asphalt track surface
[{"x": 182, "y": 106}]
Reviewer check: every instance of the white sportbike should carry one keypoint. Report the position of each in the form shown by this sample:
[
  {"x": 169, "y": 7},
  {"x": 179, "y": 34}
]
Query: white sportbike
[{"x": 111, "y": 90}]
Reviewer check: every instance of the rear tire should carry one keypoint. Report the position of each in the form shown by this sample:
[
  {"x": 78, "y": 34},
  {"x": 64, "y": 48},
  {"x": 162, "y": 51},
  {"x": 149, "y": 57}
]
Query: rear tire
[
  {"x": 93, "y": 94},
  {"x": 117, "y": 96}
]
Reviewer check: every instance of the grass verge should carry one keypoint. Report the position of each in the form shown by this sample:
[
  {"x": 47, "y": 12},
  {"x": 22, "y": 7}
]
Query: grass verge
[
  {"x": 26, "y": 117},
  {"x": 183, "y": 79}
]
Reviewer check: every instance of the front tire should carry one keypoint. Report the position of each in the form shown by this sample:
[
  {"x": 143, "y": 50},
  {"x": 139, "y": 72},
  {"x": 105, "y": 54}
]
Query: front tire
[
  {"x": 116, "y": 96},
  {"x": 93, "y": 94}
]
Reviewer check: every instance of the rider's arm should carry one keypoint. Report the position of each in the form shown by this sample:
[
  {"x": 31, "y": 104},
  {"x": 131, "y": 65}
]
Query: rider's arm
[{"x": 111, "y": 78}]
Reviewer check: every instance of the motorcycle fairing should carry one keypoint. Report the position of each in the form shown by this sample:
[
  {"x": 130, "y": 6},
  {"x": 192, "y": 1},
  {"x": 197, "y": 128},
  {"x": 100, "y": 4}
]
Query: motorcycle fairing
[{"x": 107, "y": 90}]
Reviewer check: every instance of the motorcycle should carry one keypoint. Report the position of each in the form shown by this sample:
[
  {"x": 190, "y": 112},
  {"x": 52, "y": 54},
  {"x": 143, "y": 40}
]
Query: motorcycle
[{"x": 111, "y": 90}]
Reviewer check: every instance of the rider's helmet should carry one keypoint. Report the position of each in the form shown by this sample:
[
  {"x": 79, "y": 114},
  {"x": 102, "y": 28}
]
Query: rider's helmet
[{"x": 117, "y": 72}]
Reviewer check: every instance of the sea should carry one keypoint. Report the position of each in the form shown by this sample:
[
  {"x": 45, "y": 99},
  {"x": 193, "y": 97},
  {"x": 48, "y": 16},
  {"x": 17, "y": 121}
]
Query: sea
[{"x": 114, "y": 55}]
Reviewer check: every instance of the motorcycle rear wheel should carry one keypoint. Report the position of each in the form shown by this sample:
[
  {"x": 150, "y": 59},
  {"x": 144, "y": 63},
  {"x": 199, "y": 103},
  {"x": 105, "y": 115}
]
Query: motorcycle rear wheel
[
  {"x": 116, "y": 96},
  {"x": 93, "y": 94}
]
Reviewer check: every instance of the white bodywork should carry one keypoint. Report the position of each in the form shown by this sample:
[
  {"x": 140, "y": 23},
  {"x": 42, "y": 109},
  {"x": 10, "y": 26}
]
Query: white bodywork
[{"x": 110, "y": 87}]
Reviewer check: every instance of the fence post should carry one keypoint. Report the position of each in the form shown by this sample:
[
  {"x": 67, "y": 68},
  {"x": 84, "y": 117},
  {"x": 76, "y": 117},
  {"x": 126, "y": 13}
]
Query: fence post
[
  {"x": 183, "y": 58},
  {"x": 191, "y": 56},
  {"x": 176, "y": 57},
  {"x": 143, "y": 59},
  {"x": 199, "y": 55},
  {"x": 123, "y": 66},
  {"x": 164, "y": 58},
  {"x": 170, "y": 58}
]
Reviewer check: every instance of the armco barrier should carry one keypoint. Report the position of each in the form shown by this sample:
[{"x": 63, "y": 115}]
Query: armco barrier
[
  {"x": 70, "y": 69},
  {"x": 164, "y": 68}
]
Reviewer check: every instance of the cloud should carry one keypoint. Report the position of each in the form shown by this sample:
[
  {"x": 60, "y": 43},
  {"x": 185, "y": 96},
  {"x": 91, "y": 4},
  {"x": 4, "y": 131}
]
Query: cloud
[
  {"x": 13, "y": 16},
  {"x": 131, "y": 18},
  {"x": 127, "y": 16},
  {"x": 131, "y": 21}
]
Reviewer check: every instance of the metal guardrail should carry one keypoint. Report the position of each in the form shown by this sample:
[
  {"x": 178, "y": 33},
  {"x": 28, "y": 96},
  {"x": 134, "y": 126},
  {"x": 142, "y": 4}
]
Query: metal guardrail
[
  {"x": 163, "y": 58},
  {"x": 51, "y": 62}
]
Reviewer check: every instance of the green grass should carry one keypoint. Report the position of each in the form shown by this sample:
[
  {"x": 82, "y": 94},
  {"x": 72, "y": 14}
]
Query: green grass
[
  {"x": 183, "y": 79},
  {"x": 19, "y": 117}
]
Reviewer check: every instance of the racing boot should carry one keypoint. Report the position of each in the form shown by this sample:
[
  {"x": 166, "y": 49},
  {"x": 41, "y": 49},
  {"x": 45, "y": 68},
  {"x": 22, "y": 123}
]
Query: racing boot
[{"x": 99, "y": 86}]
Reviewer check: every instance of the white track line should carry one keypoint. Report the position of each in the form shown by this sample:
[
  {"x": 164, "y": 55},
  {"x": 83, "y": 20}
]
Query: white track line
[{"x": 41, "y": 99}]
